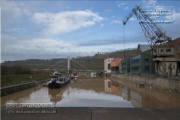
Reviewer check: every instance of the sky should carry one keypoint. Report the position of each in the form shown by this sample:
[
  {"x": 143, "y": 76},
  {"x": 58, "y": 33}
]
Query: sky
[{"x": 46, "y": 29}]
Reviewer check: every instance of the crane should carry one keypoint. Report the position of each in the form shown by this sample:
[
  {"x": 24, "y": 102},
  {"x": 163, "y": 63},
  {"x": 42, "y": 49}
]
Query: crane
[{"x": 154, "y": 34}]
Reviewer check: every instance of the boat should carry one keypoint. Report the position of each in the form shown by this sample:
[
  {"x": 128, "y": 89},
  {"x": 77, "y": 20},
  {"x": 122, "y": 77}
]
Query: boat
[{"x": 57, "y": 80}]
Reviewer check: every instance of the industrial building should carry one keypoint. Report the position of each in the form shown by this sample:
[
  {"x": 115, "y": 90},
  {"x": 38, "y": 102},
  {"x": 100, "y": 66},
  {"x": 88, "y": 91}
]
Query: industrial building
[
  {"x": 176, "y": 45},
  {"x": 125, "y": 66},
  {"x": 138, "y": 64},
  {"x": 111, "y": 65},
  {"x": 141, "y": 64},
  {"x": 107, "y": 65},
  {"x": 165, "y": 60},
  {"x": 164, "y": 50},
  {"x": 115, "y": 65}
]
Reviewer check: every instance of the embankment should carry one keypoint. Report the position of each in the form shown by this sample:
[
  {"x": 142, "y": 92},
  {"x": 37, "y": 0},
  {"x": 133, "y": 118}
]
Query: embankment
[
  {"x": 19, "y": 87},
  {"x": 10, "y": 90},
  {"x": 168, "y": 84}
]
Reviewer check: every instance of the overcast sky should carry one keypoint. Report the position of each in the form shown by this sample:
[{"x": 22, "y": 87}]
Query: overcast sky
[{"x": 57, "y": 29}]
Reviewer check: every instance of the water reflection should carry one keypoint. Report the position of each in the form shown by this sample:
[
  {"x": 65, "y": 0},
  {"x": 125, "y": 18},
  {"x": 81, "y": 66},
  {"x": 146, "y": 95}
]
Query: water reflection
[
  {"x": 143, "y": 97},
  {"x": 112, "y": 87},
  {"x": 92, "y": 93},
  {"x": 55, "y": 95},
  {"x": 33, "y": 95},
  {"x": 123, "y": 91},
  {"x": 74, "y": 97}
]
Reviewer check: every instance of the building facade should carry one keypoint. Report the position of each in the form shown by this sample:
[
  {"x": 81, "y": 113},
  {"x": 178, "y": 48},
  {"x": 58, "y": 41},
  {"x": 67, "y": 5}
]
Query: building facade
[
  {"x": 115, "y": 65},
  {"x": 125, "y": 66},
  {"x": 167, "y": 59},
  {"x": 141, "y": 64},
  {"x": 111, "y": 65},
  {"x": 107, "y": 65},
  {"x": 176, "y": 45},
  {"x": 138, "y": 64}
]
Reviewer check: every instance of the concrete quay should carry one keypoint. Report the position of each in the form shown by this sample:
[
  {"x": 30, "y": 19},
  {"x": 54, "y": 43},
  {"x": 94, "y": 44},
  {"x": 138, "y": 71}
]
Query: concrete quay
[
  {"x": 167, "y": 84},
  {"x": 88, "y": 113}
]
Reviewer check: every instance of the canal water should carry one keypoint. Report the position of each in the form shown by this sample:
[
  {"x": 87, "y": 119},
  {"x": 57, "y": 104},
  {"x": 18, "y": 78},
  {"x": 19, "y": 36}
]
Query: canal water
[{"x": 96, "y": 92}]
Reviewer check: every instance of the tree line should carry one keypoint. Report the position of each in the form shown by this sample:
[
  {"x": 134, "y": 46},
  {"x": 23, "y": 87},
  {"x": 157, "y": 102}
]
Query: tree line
[{"x": 16, "y": 69}]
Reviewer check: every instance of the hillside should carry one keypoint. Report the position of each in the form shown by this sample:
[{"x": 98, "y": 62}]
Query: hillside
[{"x": 95, "y": 62}]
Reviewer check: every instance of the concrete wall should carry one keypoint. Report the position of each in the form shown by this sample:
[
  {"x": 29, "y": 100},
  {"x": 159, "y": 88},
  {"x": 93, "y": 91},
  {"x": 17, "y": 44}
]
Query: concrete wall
[{"x": 168, "y": 84}]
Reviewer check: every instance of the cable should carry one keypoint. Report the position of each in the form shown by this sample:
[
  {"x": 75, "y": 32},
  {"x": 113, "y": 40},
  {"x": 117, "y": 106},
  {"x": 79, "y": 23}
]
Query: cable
[{"x": 124, "y": 39}]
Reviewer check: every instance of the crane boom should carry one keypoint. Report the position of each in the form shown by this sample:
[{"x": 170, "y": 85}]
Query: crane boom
[{"x": 153, "y": 33}]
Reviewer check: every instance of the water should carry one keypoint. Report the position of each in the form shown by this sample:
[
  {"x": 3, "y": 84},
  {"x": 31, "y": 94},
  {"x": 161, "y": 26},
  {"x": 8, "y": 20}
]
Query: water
[{"x": 96, "y": 92}]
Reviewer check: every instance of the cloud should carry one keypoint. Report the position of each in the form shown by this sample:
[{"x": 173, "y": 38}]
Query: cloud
[
  {"x": 33, "y": 48},
  {"x": 66, "y": 21},
  {"x": 10, "y": 6},
  {"x": 160, "y": 13},
  {"x": 149, "y": 2},
  {"x": 11, "y": 31},
  {"x": 35, "y": 44},
  {"x": 11, "y": 10},
  {"x": 126, "y": 8},
  {"x": 116, "y": 21},
  {"x": 177, "y": 17},
  {"x": 54, "y": 48},
  {"x": 132, "y": 19},
  {"x": 172, "y": 29},
  {"x": 121, "y": 4}
]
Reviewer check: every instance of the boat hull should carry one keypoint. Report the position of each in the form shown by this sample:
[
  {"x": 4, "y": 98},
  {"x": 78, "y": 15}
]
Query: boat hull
[{"x": 56, "y": 84}]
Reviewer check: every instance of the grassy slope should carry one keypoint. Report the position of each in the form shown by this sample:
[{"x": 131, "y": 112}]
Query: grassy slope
[
  {"x": 95, "y": 62},
  {"x": 18, "y": 79}
]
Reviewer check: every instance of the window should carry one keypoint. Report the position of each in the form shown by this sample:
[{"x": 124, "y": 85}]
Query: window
[
  {"x": 161, "y": 50},
  {"x": 179, "y": 47},
  {"x": 146, "y": 60},
  {"x": 146, "y": 68},
  {"x": 109, "y": 66},
  {"x": 168, "y": 50}
]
